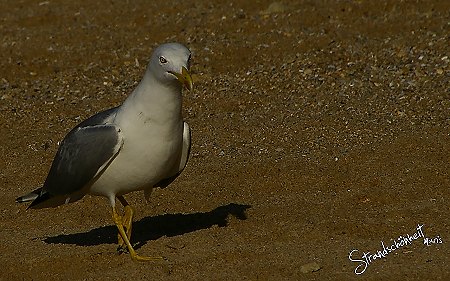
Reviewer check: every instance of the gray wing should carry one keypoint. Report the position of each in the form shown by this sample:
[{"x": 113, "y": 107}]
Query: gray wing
[
  {"x": 85, "y": 151},
  {"x": 80, "y": 156}
]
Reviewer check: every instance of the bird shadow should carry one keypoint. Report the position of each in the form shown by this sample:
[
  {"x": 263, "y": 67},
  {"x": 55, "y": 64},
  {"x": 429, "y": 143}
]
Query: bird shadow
[{"x": 152, "y": 228}]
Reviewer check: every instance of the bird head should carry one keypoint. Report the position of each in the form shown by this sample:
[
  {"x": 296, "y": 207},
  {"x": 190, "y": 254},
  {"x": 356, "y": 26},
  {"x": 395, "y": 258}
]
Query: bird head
[{"x": 170, "y": 64}]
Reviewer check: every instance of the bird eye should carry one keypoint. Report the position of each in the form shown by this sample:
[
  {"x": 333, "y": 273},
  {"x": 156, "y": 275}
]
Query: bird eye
[{"x": 162, "y": 60}]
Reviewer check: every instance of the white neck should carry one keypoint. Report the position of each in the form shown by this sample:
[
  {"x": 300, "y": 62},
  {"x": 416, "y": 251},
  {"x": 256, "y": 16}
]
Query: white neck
[{"x": 160, "y": 103}]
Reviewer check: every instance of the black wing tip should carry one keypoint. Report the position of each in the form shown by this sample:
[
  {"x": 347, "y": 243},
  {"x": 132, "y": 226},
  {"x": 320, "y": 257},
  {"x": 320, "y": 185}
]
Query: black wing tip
[
  {"x": 30, "y": 196},
  {"x": 41, "y": 198},
  {"x": 35, "y": 197},
  {"x": 21, "y": 199}
]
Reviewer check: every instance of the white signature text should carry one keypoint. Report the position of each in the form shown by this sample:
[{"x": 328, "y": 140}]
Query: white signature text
[{"x": 367, "y": 258}]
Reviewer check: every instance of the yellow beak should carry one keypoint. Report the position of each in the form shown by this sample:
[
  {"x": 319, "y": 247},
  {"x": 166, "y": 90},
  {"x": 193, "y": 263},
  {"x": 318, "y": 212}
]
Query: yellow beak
[{"x": 185, "y": 78}]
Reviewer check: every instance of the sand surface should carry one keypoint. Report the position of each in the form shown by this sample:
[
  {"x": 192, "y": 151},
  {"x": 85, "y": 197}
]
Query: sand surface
[{"x": 319, "y": 128}]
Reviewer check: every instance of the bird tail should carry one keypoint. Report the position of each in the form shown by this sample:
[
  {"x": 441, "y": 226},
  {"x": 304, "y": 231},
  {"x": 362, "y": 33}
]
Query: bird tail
[
  {"x": 30, "y": 196},
  {"x": 42, "y": 199}
]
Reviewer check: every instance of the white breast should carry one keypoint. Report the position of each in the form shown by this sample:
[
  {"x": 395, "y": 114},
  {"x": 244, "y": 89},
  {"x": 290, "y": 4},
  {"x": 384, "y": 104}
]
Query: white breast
[{"x": 151, "y": 152}]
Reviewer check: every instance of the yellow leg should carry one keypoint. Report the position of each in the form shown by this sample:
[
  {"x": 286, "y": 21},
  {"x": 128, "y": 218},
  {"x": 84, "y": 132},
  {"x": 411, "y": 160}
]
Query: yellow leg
[
  {"x": 127, "y": 223},
  {"x": 118, "y": 221}
]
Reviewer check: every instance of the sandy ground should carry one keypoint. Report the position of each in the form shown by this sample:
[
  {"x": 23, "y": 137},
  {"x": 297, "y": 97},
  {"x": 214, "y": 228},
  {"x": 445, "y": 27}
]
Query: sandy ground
[{"x": 319, "y": 128}]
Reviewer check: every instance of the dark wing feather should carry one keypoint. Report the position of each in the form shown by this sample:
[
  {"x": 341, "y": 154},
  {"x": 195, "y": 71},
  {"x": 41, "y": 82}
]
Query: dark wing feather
[
  {"x": 100, "y": 118},
  {"x": 86, "y": 149},
  {"x": 80, "y": 156}
]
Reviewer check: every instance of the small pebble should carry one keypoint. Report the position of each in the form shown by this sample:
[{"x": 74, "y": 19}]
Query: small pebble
[{"x": 310, "y": 267}]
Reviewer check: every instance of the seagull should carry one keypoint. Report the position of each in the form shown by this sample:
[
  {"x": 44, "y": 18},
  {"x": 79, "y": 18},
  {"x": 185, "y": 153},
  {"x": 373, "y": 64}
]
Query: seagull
[{"x": 141, "y": 144}]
